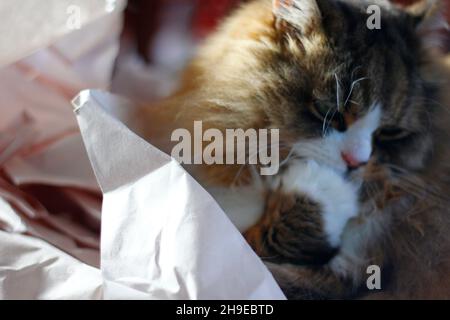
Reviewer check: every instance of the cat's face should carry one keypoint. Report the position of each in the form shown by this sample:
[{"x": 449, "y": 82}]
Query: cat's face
[{"x": 354, "y": 95}]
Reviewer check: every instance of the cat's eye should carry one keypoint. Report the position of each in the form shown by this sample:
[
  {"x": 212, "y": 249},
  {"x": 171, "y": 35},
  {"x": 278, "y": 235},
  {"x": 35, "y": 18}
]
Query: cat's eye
[
  {"x": 320, "y": 110},
  {"x": 327, "y": 112},
  {"x": 391, "y": 133}
]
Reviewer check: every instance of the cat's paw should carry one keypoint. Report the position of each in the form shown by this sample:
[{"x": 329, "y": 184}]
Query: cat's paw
[
  {"x": 300, "y": 282},
  {"x": 336, "y": 196}
]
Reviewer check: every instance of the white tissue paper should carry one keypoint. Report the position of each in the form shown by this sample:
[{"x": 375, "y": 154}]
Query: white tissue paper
[
  {"x": 162, "y": 235},
  {"x": 49, "y": 198}
]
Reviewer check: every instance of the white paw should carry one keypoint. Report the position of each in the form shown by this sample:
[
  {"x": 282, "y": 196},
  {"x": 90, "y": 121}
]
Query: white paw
[{"x": 337, "y": 196}]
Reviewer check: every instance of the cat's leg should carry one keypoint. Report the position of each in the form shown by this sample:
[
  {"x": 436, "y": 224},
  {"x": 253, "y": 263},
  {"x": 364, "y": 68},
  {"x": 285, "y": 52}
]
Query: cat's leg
[
  {"x": 343, "y": 277},
  {"x": 311, "y": 283},
  {"x": 291, "y": 230}
]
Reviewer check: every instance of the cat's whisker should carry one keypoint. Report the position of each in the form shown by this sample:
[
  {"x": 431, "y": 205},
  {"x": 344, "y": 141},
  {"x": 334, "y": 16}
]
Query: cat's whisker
[
  {"x": 422, "y": 192},
  {"x": 354, "y": 71},
  {"x": 409, "y": 182},
  {"x": 434, "y": 102},
  {"x": 330, "y": 120},
  {"x": 288, "y": 157},
  {"x": 338, "y": 92},
  {"x": 317, "y": 153},
  {"x": 324, "y": 128},
  {"x": 352, "y": 87}
]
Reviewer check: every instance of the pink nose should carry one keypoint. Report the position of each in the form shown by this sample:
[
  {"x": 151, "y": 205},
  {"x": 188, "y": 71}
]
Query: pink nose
[{"x": 350, "y": 160}]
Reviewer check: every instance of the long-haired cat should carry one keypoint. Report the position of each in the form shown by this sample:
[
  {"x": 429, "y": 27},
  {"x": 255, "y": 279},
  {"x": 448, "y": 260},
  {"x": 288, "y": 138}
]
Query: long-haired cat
[{"x": 364, "y": 134}]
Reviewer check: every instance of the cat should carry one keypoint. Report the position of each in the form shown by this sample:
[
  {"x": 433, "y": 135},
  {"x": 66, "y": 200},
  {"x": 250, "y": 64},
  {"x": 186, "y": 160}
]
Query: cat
[{"x": 363, "y": 123}]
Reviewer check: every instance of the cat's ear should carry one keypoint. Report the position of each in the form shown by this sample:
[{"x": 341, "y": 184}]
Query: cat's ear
[
  {"x": 303, "y": 15},
  {"x": 429, "y": 20},
  {"x": 421, "y": 10}
]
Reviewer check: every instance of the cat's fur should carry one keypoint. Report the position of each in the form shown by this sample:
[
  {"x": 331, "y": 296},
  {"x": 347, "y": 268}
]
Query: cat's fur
[{"x": 315, "y": 71}]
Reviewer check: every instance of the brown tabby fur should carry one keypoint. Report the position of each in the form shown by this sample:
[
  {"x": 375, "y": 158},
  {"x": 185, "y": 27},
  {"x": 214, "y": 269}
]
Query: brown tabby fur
[{"x": 259, "y": 71}]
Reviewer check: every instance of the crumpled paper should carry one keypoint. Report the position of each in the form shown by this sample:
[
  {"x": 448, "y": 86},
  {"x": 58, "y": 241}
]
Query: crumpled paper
[
  {"x": 47, "y": 187},
  {"x": 153, "y": 245},
  {"x": 32, "y": 25},
  {"x": 163, "y": 235}
]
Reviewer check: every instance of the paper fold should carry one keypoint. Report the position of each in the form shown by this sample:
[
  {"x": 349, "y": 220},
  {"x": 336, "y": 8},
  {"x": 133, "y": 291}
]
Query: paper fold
[{"x": 163, "y": 235}]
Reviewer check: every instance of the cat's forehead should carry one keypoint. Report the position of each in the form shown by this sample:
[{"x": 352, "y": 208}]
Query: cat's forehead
[
  {"x": 344, "y": 42},
  {"x": 351, "y": 30},
  {"x": 359, "y": 68}
]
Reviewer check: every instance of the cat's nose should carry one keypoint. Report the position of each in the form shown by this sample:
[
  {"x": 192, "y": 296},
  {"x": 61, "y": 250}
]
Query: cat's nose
[{"x": 352, "y": 161}]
